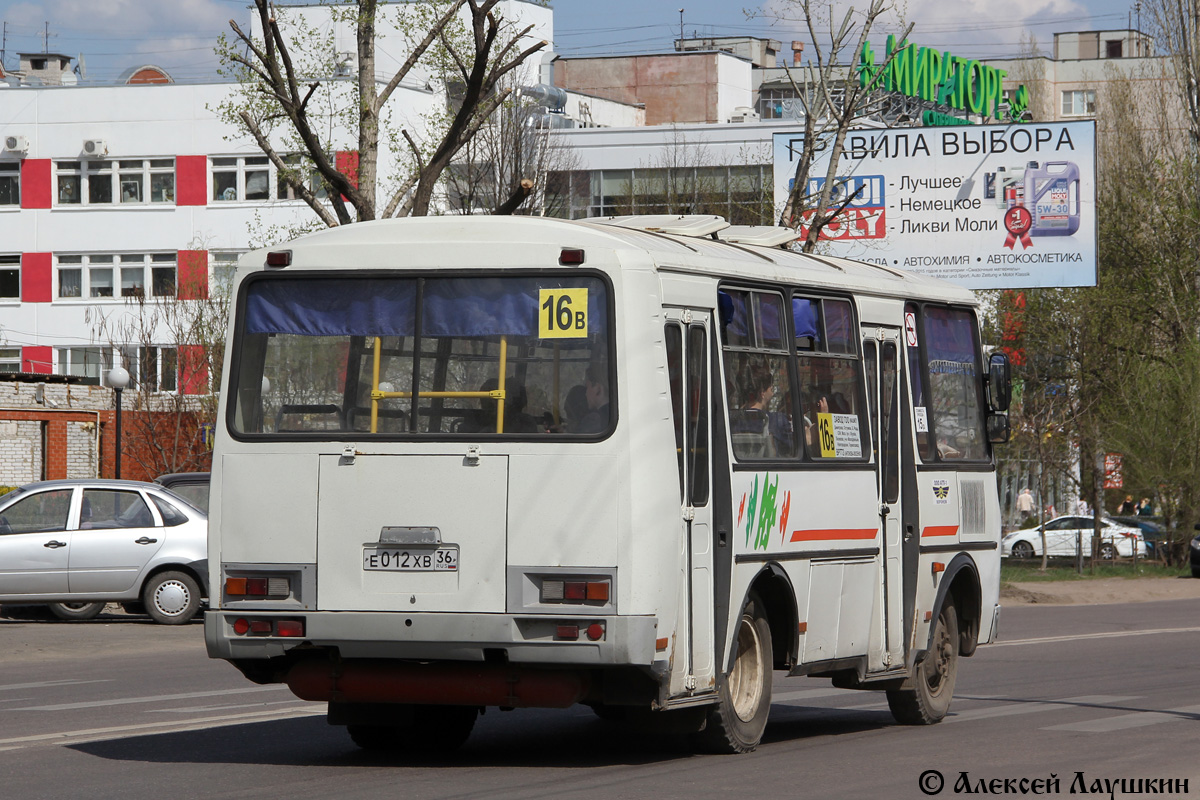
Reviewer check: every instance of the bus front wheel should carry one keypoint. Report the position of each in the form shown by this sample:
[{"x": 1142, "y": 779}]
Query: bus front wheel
[
  {"x": 736, "y": 723},
  {"x": 933, "y": 679}
]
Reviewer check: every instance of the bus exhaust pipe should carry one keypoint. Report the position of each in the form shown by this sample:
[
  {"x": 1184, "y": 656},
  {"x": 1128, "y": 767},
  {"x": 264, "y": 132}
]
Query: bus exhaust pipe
[{"x": 375, "y": 681}]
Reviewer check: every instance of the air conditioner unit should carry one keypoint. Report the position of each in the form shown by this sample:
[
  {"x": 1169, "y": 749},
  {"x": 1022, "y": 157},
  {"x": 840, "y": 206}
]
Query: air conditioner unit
[
  {"x": 95, "y": 147},
  {"x": 744, "y": 114},
  {"x": 16, "y": 144}
]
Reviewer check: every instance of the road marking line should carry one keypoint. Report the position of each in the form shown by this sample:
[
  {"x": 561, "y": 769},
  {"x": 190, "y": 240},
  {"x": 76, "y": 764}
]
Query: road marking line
[
  {"x": 99, "y": 734},
  {"x": 201, "y": 709},
  {"x": 1081, "y": 636},
  {"x": 153, "y": 699},
  {"x": 43, "y": 684},
  {"x": 1138, "y": 719},
  {"x": 1033, "y": 708},
  {"x": 809, "y": 694}
]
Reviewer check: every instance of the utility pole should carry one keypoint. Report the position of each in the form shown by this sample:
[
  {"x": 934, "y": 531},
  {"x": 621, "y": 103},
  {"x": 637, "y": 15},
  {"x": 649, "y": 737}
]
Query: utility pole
[{"x": 681, "y": 30}]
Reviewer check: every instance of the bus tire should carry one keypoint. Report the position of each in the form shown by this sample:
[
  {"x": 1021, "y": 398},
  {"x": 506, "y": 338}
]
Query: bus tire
[
  {"x": 429, "y": 730},
  {"x": 933, "y": 679},
  {"x": 76, "y": 611},
  {"x": 735, "y": 724}
]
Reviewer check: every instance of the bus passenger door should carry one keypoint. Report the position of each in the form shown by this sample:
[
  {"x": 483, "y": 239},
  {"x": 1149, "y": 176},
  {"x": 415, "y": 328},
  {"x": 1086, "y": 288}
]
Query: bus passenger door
[
  {"x": 880, "y": 350},
  {"x": 690, "y": 371}
]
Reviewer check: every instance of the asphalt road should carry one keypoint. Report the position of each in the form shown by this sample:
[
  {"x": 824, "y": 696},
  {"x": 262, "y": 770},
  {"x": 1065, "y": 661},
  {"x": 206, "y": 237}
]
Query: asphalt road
[{"x": 121, "y": 708}]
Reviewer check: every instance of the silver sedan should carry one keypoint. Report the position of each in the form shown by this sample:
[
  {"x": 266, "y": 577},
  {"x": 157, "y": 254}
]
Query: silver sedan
[{"x": 79, "y": 544}]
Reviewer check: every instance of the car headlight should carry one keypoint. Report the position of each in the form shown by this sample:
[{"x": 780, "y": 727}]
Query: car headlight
[{"x": 1196, "y": 543}]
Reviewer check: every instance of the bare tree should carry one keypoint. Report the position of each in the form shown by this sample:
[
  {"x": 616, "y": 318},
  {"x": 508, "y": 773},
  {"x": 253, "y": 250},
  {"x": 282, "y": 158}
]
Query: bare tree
[
  {"x": 173, "y": 344},
  {"x": 833, "y": 99},
  {"x": 507, "y": 167},
  {"x": 281, "y": 90}
]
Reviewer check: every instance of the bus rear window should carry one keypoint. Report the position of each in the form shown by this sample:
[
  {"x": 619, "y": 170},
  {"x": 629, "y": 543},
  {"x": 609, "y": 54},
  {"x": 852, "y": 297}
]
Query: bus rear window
[{"x": 511, "y": 356}]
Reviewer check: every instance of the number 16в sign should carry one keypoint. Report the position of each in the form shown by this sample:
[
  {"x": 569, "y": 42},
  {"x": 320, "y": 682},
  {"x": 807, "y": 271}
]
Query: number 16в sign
[{"x": 563, "y": 313}]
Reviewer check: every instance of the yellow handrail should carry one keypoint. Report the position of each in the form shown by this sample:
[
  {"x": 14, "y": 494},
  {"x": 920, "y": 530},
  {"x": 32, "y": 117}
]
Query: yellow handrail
[
  {"x": 503, "y": 373},
  {"x": 498, "y": 395},
  {"x": 375, "y": 385}
]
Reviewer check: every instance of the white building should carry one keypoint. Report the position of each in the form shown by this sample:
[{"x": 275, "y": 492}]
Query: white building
[{"x": 113, "y": 193}]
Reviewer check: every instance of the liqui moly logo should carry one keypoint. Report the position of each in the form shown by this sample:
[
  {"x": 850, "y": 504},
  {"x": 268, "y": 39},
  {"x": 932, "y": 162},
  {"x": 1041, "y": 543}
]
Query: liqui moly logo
[{"x": 863, "y": 217}]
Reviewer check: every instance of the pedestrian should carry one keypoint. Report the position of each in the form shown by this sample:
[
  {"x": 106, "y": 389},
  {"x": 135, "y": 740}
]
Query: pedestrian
[
  {"x": 1145, "y": 508},
  {"x": 1128, "y": 507},
  {"x": 1081, "y": 507},
  {"x": 1025, "y": 505}
]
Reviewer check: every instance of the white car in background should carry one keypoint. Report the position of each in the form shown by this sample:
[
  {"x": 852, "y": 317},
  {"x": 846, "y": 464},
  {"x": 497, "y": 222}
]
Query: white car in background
[
  {"x": 77, "y": 545},
  {"x": 1065, "y": 534}
]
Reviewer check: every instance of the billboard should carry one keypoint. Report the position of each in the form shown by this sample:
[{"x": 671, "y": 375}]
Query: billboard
[{"x": 984, "y": 206}]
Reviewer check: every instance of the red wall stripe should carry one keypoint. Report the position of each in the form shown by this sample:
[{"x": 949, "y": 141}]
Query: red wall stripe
[
  {"x": 939, "y": 530},
  {"x": 191, "y": 180},
  {"x": 828, "y": 534},
  {"x": 37, "y": 272},
  {"x": 35, "y": 183},
  {"x": 39, "y": 360},
  {"x": 193, "y": 370},
  {"x": 192, "y": 275},
  {"x": 346, "y": 162}
]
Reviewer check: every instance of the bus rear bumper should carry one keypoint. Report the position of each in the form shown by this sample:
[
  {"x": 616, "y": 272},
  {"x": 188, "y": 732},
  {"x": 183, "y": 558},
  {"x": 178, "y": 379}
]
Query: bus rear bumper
[{"x": 623, "y": 640}]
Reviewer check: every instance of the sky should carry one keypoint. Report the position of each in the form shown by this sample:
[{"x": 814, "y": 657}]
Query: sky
[{"x": 179, "y": 35}]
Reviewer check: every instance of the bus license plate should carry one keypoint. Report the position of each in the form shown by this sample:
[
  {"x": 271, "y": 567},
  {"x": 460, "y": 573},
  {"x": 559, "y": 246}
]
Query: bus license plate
[{"x": 411, "y": 559}]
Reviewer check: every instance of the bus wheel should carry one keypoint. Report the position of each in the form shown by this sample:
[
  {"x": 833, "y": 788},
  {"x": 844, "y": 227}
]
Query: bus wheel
[
  {"x": 736, "y": 723},
  {"x": 933, "y": 679},
  {"x": 428, "y": 730},
  {"x": 76, "y": 611}
]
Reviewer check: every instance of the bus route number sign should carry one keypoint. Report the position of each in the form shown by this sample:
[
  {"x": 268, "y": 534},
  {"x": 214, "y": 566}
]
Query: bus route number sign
[{"x": 562, "y": 313}]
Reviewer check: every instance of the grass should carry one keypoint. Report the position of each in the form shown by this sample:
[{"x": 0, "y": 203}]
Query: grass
[{"x": 1063, "y": 569}]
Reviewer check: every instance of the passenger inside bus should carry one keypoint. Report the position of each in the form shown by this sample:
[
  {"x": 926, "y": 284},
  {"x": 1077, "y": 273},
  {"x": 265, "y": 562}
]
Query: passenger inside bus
[
  {"x": 575, "y": 407},
  {"x": 483, "y": 419},
  {"x": 596, "y": 392}
]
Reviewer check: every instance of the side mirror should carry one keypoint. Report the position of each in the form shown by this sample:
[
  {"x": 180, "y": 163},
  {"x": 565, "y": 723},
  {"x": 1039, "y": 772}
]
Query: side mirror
[
  {"x": 999, "y": 382},
  {"x": 997, "y": 428}
]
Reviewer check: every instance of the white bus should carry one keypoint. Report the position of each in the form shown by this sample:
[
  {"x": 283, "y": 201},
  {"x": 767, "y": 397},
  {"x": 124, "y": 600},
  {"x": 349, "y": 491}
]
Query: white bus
[{"x": 636, "y": 463}]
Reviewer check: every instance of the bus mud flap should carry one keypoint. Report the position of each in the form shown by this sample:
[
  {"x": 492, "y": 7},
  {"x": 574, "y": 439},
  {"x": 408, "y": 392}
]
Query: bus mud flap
[{"x": 377, "y": 681}]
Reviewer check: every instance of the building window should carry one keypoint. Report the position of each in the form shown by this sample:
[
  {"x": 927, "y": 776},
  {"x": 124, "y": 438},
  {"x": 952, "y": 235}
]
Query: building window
[
  {"x": 1079, "y": 102},
  {"x": 10, "y": 183},
  {"x": 86, "y": 362},
  {"x": 147, "y": 180},
  {"x": 151, "y": 368},
  {"x": 106, "y": 275},
  {"x": 1113, "y": 48},
  {"x": 780, "y": 104},
  {"x": 137, "y": 181},
  {"x": 241, "y": 178},
  {"x": 10, "y": 277},
  {"x": 10, "y": 359},
  {"x": 223, "y": 269},
  {"x": 300, "y": 167}
]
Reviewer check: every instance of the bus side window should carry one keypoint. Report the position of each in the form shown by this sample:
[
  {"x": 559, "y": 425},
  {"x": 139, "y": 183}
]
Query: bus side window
[
  {"x": 758, "y": 378},
  {"x": 834, "y": 421},
  {"x": 674, "y": 339},
  {"x": 916, "y": 374},
  {"x": 955, "y": 388}
]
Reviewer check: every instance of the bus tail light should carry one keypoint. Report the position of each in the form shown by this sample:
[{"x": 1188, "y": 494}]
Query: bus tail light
[
  {"x": 570, "y": 632},
  {"x": 290, "y": 627},
  {"x": 575, "y": 591},
  {"x": 257, "y": 587},
  {"x": 248, "y": 626}
]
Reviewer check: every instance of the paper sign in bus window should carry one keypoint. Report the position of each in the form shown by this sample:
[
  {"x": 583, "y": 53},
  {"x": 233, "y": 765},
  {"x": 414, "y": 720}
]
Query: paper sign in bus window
[
  {"x": 839, "y": 436},
  {"x": 562, "y": 313}
]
